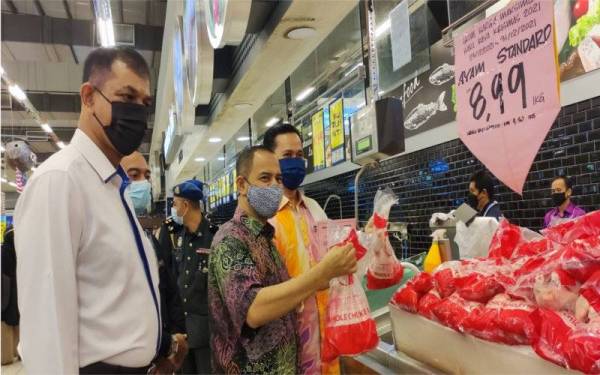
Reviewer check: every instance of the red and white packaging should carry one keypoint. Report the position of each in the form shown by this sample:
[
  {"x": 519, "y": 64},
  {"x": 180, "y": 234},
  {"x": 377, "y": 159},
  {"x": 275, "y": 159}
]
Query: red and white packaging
[
  {"x": 579, "y": 228},
  {"x": 581, "y": 258},
  {"x": 582, "y": 350},
  {"x": 406, "y": 298},
  {"x": 427, "y": 303},
  {"x": 384, "y": 269},
  {"x": 505, "y": 240},
  {"x": 349, "y": 328},
  {"x": 453, "y": 311},
  {"x": 557, "y": 290},
  {"x": 552, "y": 332},
  {"x": 587, "y": 307},
  {"x": 478, "y": 287}
]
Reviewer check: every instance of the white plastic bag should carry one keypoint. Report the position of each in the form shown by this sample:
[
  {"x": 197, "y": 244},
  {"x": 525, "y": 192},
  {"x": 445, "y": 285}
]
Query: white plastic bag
[{"x": 474, "y": 241}]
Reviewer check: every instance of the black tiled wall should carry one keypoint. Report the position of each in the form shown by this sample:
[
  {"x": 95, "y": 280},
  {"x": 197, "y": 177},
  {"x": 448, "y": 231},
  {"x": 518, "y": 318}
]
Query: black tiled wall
[{"x": 436, "y": 179}]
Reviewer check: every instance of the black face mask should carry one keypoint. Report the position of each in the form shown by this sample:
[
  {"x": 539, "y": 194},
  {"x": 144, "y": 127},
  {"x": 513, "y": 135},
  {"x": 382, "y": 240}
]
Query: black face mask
[
  {"x": 127, "y": 126},
  {"x": 558, "y": 199},
  {"x": 472, "y": 200}
]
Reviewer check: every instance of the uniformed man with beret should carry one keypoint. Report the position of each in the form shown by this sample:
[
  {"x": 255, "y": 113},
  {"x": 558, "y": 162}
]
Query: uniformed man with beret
[{"x": 189, "y": 236}]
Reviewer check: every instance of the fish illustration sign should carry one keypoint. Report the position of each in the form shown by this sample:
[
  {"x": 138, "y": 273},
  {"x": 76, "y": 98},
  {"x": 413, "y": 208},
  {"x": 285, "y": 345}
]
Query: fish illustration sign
[
  {"x": 427, "y": 98},
  {"x": 507, "y": 87}
]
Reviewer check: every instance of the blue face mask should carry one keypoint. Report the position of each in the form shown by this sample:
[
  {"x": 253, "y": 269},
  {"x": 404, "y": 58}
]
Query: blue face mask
[
  {"x": 293, "y": 171},
  {"x": 176, "y": 218},
  {"x": 139, "y": 192}
]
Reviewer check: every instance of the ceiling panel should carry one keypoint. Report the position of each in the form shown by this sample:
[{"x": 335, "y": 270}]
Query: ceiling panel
[
  {"x": 157, "y": 12},
  {"x": 27, "y": 51},
  {"x": 81, "y": 9},
  {"x": 54, "y": 8},
  {"x": 7, "y": 54},
  {"x": 82, "y": 52},
  {"x": 134, "y": 11},
  {"x": 26, "y": 6},
  {"x": 45, "y": 77}
]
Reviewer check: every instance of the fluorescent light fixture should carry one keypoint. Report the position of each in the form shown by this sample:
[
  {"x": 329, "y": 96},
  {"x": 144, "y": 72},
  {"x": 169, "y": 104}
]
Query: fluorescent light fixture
[
  {"x": 381, "y": 92},
  {"x": 214, "y": 139},
  {"x": 104, "y": 23},
  {"x": 301, "y": 33},
  {"x": 4, "y": 180},
  {"x": 17, "y": 92},
  {"x": 353, "y": 69},
  {"x": 272, "y": 121},
  {"x": 1, "y": 71},
  {"x": 61, "y": 144},
  {"x": 383, "y": 28},
  {"x": 243, "y": 139},
  {"x": 304, "y": 94},
  {"x": 12, "y": 184},
  {"x": 200, "y": 159},
  {"x": 1, "y": 148},
  {"x": 47, "y": 128},
  {"x": 33, "y": 169},
  {"x": 221, "y": 158}
]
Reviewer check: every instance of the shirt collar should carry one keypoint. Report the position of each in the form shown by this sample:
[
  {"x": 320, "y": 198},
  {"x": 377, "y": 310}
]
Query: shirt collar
[
  {"x": 285, "y": 201},
  {"x": 568, "y": 211},
  {"x": 254, "y": 226},
  {"x": 94, "y": 156}
]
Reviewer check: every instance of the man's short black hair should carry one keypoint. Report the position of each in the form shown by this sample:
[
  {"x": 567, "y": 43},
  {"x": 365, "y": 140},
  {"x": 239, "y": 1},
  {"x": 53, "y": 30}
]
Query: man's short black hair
[
  {"x": 484, "y": 181},
  {"x": 568, "y": 181},
  {"x": 243, "y": 165},
  {"x": 270, "y": 139},
  {"x": 99, "y": 62}
]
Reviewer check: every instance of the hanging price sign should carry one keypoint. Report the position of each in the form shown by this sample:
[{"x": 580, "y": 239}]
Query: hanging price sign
[{"x": 507, "y": 87}]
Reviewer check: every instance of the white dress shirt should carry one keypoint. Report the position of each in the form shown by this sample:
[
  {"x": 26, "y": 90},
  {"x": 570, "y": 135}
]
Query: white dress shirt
[{"x": 83, "y": 294}]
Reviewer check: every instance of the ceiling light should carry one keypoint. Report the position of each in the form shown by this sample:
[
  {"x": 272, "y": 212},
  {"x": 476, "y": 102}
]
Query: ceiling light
[
  {"x": 61, "y": 144},
  {"x": 243, "y": 139},
  {"x": 221, "y": 158},
  {"x": 272, "y": 122},
  {"x": 241, "y": 106},
  {"x": 12, "y": 184},
  {"x": 1, "y": 71},
  {"x": 381, "y": 92},
  {"x": 300, "y": 33},
  {"x": 382, "y": 29},
  {"x": 17, "y": 92},
  {"x": 353, "y": 69},
  {"x": 33, "y": 169},
  {"x": 304, "y": 94},
  {"x": 104, "y": 22},
  {"x": 214, "y": 139},
  {"x": 200, "y": 159},
  {"x": 47, "y": 128},
  {"x": 1, "y": 148},
  {"x": 4, "y": 180}
]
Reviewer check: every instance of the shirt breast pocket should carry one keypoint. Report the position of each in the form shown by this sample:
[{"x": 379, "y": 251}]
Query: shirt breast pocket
[{"x": 201, "y": 288}]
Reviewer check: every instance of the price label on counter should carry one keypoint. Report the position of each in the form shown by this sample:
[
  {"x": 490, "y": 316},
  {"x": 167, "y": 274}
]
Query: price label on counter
[{"x": 507, "y": 87}]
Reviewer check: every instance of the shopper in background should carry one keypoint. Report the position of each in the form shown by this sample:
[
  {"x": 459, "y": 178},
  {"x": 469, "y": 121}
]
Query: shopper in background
[
  {"x": 252, "y": 300},
  {"x": 173, "y": 321},
  {"x": 295, "y": 239},
  {"x": 191, "y": 251},
  {"x": 84, "y": 269},
  {"x": 564, "y": 209},
  {"x": 481, "y": 195},
  {"x": 10, "y": 310}
]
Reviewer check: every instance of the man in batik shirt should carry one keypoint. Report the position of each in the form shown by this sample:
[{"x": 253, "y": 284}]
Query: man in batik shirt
[{"x": 252, "y": 301}]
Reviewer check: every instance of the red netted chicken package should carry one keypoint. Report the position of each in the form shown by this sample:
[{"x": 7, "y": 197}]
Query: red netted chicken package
[
  {"x": 552, "y": 332},
  {"x": 406, "y": 298},
  {"x": 427, "y": 303},
  {"x": 422, "y": 283},
  {"x": 582, "y": 350},
  {"x": 349, "y": 329},
  {"x": 579, "y": 228},
  {"x": 478, "y": 287},
  {"x": 512, "y": 241},
  {"x": 453, "y": 311},
  {"x": 588, "y": 304},
  {"x": 581, "y": 258},
  {"x": 384, "y": 269}
]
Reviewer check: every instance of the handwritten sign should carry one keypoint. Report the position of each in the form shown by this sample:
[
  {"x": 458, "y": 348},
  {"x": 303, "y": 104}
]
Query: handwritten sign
[
  {"x": 318, "y": 140},
  {"x": 507, "y": 88},
  {"x": 336, "y": 112}
]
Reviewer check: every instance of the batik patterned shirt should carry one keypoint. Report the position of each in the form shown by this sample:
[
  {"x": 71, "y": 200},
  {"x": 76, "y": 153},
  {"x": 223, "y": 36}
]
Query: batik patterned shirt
[{"x": 242, "y": 262}]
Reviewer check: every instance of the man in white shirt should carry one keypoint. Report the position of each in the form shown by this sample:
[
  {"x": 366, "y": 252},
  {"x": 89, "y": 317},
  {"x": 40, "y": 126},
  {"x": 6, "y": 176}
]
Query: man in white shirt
[{"x": 88, "y": 277}]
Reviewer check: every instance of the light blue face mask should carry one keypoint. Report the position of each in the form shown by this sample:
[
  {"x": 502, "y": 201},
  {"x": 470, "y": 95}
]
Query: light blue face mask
[
  {"x": 141, "y": 197},
  {"x": 176, "y": 218}
]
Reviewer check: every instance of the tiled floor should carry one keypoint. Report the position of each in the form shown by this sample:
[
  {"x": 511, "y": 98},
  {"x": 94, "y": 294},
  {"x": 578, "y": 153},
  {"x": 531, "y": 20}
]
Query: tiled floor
[{"x": 13, "y": 369}]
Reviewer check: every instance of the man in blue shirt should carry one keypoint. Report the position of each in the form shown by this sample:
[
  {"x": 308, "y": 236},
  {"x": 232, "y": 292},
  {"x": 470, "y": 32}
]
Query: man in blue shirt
[{"x": 481, "y": 195}]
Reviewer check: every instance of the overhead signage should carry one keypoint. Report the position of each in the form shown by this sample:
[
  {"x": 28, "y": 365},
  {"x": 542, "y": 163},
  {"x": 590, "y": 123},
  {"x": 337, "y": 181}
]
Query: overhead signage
[
  {"x": 226, "y": 21},
  {"x": 336, "y": 115},
  {"x": 198, "y": 53},
  {"x": 318, "y": 140},
  {"x": 507, "y": 87}
]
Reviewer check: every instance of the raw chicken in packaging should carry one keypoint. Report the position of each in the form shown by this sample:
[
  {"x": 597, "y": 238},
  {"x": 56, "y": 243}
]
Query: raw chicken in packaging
[
  {"x": 552, "y": 332},
  {"x": 557, "y": 290},
  {"x": 508, "y": 238},
  {"x": 384, "y": 269},
  {"x": 587, "y": 307},
  {"x": 582, "y": 350},
  {"x": 454, "y": 310},
  {"x": 581, "y": 258},
  {"x": 427, "y": 303},
  {"x": 407, "y": 297},
  {"x": 349, "y": 328},
  {"x": 582, "y": 227}
]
